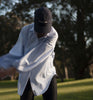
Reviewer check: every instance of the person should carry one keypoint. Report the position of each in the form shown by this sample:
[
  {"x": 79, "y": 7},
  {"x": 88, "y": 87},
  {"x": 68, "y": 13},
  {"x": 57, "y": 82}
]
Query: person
[{"x": 33, "y": 56}]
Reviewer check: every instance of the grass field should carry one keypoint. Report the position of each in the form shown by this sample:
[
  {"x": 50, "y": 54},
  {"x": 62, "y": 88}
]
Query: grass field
[{"x": 73, "y": 90}]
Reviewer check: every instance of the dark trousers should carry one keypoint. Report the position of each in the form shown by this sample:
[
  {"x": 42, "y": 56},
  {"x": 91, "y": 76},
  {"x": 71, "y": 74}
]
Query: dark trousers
[{"x": 50, "y": 94}]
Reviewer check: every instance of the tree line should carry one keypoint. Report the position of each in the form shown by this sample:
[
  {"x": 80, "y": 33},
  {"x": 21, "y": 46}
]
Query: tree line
[{"x": 73, "y": 20}]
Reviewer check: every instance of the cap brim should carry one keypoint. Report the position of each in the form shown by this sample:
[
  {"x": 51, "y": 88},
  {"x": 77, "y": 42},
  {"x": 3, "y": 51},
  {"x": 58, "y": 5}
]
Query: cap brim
[{"x": 42, "y": 28}]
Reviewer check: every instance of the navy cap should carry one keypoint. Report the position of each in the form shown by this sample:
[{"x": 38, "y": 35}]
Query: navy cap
[{"x": 43, "y": 20}]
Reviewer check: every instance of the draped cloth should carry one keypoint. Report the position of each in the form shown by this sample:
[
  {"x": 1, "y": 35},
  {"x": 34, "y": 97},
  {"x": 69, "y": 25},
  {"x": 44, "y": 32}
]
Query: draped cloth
[
  {"x": 40, "y": 52},
  {"x": 33, "y": 58}
]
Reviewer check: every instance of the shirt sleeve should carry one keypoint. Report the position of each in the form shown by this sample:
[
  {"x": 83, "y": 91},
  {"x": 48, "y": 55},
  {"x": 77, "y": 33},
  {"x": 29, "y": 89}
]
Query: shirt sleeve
[
  {"x": 14, "y": 54},
  {"x": 52, "y": 37},
  {"x": 17, "y": 49},
  {"x": 38, "y": 54}
]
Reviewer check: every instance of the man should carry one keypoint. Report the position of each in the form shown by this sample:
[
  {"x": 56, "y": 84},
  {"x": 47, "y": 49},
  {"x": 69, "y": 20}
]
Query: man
[{"x": 33, "y": 56}]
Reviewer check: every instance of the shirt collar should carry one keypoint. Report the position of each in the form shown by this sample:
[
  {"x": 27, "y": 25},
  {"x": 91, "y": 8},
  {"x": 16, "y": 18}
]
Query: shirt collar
[{"x": 32, "y": 29}]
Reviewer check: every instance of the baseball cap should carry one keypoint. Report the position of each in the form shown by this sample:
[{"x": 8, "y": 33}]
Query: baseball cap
[{"x": 43, "y": 20}]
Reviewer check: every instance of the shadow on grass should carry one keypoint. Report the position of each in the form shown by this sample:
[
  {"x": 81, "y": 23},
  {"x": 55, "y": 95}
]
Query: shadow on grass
[
  {"x": 84, "y": 95},
  {"x": 15, "y": 99},
  {"x": 9, "y": 84},
  {"x": 8, "y": 93},
  {"x": 69, "y": 95},
  {"x": 76, "y": 84}
]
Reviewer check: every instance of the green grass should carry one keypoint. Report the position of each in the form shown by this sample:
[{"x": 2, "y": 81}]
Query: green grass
[{"x": 73, "y": 90}]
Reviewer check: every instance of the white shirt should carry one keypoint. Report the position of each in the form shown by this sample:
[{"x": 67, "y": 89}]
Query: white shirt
[{"x": 33, "y": 58}]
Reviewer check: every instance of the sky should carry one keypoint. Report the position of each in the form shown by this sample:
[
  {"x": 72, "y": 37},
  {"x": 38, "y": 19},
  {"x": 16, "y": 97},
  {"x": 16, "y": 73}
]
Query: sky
[
  {"x": 49, "y": 5},
  {"x": 3, "y": 12}
]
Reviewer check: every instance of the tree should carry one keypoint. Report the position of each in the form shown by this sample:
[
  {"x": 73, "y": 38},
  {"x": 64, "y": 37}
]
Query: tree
[
  {"x": 74, "y": 33},
  {"x": 83, "y": 8},
  {"x": 72, "y": 19}
]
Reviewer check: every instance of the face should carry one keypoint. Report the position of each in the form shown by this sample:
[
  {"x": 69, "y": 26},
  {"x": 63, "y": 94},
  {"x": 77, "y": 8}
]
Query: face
[{"x": 39, "y": 35}]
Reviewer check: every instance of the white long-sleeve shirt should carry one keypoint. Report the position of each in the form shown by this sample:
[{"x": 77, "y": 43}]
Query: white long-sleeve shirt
[{"x": 33, "y": 58}]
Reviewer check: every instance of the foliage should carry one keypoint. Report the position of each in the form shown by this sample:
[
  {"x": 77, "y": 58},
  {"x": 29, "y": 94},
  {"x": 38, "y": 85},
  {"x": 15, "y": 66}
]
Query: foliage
[
  {"x": 8, "y": 32},
  {"x": 75, "y": 35},
  {"x": 72, "y": 19}
]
